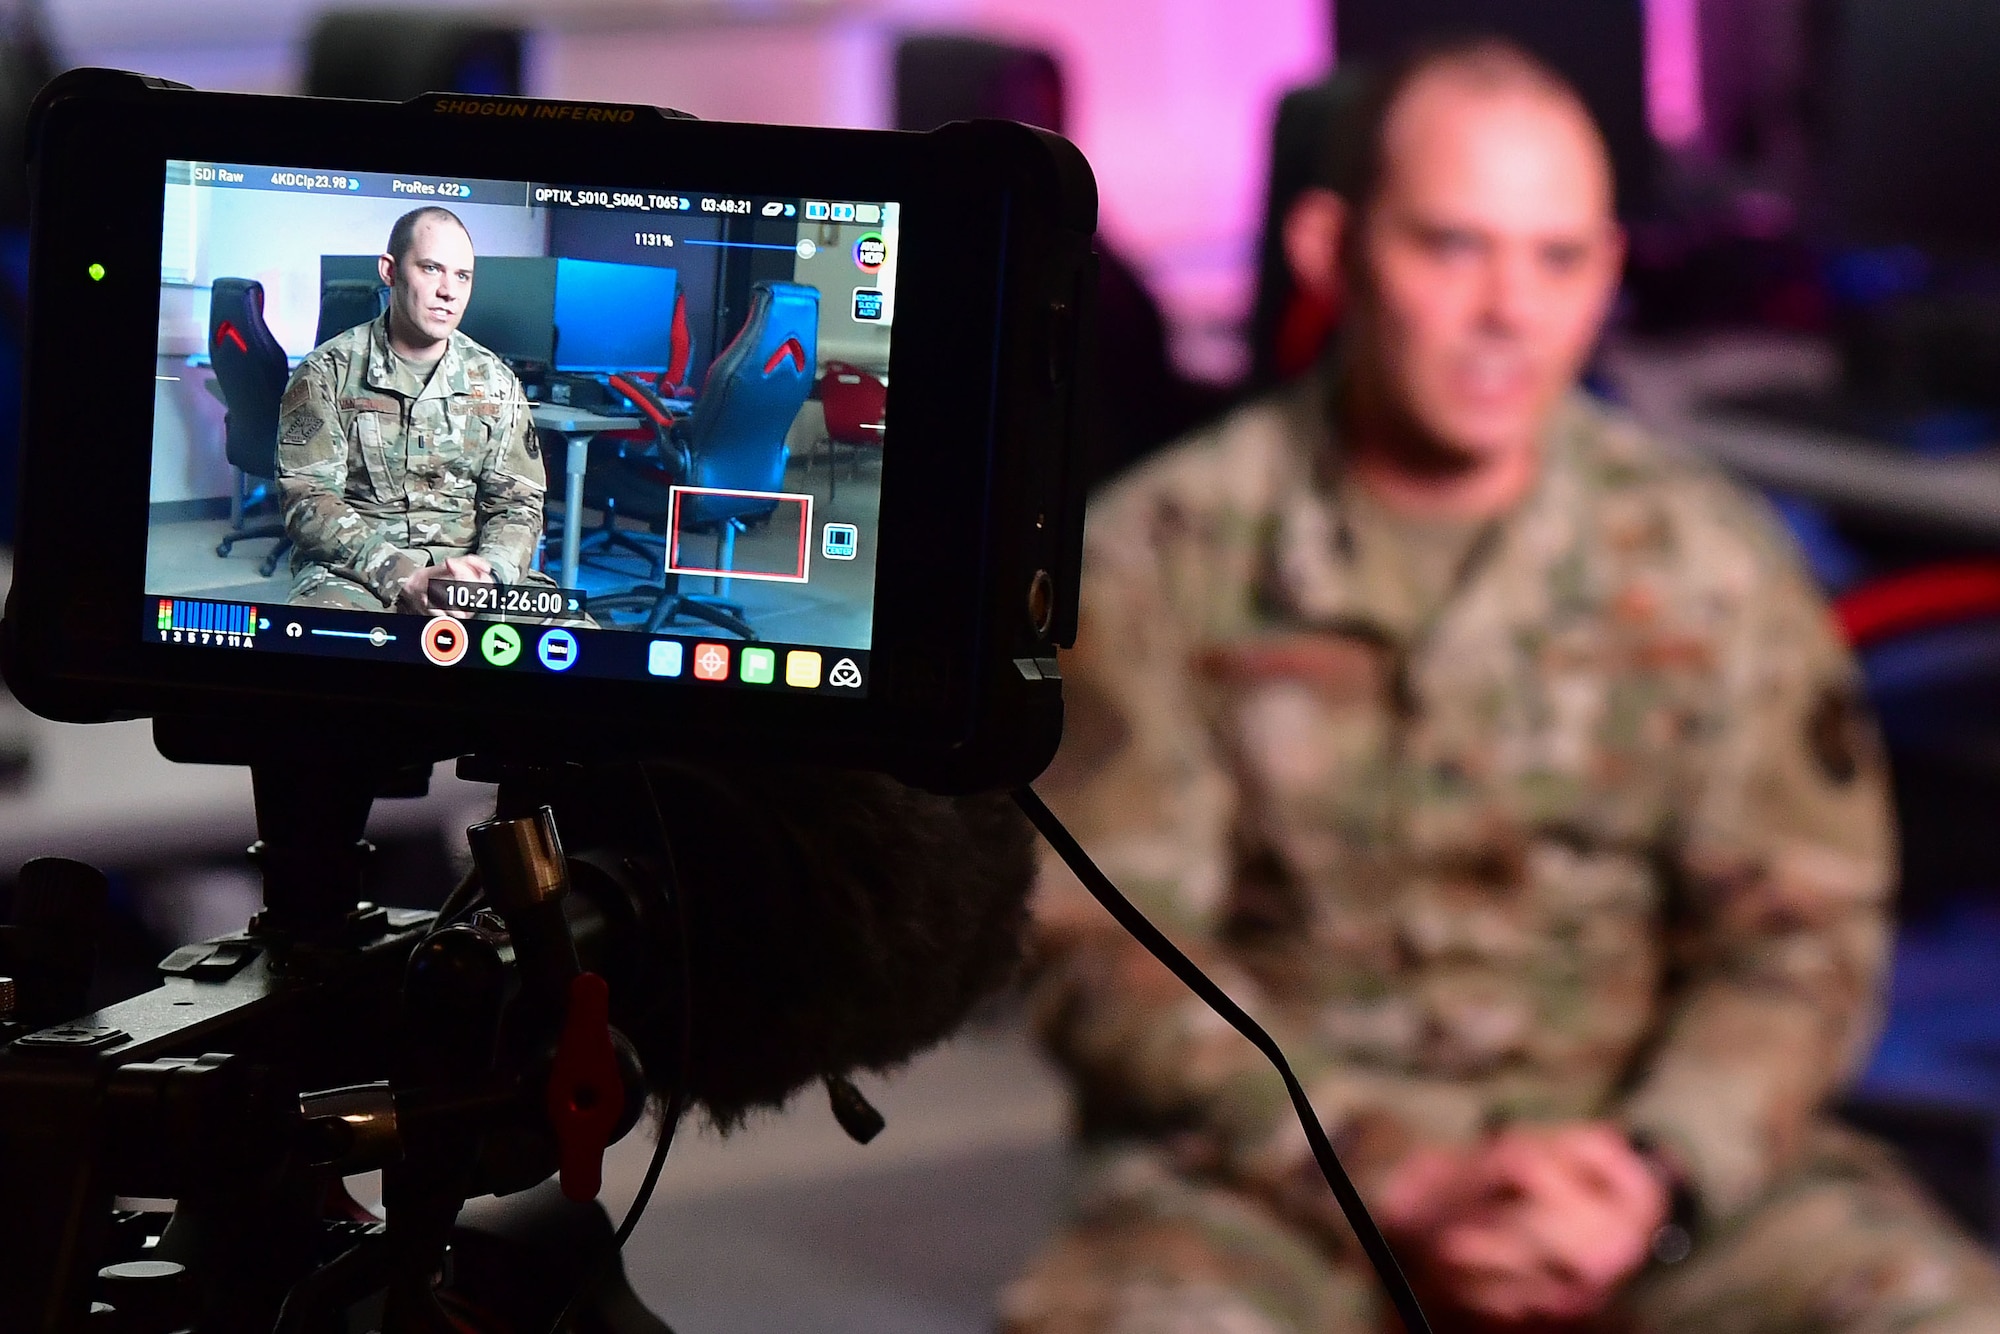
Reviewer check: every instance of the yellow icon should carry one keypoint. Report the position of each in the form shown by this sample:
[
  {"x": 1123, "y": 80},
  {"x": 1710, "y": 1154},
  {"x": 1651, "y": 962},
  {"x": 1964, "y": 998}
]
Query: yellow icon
[{"x": 802, "y": 668}]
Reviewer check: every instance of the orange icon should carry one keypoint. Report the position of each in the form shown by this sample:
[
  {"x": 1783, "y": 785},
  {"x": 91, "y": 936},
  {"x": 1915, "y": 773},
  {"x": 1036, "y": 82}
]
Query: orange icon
[
  {"x": 711, "y": 662},
  {"x": 445, "y": 640}
]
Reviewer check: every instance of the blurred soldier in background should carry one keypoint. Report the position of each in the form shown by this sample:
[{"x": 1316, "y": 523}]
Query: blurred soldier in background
[{"x": 1511, "y": 772}]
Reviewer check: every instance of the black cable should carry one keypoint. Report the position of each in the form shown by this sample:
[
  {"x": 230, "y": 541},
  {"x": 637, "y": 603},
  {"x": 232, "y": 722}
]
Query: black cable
[
  {"x": 668, "y": 889},
  {"x": 1168, "y": 953}
]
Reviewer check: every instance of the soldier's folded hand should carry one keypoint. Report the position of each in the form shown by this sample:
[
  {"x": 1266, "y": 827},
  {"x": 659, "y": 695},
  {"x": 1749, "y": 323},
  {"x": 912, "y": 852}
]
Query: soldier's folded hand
[
  {"x": 1536, "y": 1224},
  {"x": 415, "y": 596}
]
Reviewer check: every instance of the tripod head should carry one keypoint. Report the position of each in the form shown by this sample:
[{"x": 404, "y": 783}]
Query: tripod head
[{"x": 467, "y": 1052}]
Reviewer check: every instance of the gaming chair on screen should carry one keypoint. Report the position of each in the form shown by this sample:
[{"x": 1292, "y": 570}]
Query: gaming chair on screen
[
  {"x": 733, "y": 439},
  {"x": 346, "y": 302},
  {"x": 251, "y": 369}
]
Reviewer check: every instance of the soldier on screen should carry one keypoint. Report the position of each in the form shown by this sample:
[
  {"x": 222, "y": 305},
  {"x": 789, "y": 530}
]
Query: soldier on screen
[
  {"x": 406, "y": 451},
  {"x": 1509, "y": 768}
]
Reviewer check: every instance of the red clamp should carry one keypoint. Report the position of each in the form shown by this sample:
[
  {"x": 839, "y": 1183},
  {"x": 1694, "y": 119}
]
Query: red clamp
[{"x": 586, "y": 1093}]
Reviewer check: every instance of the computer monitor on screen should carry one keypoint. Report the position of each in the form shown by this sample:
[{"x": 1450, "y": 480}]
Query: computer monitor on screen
[
  {"x": 512, "y": 308},
  {"x": 613, "y": 317},
  {"x": 576, "y": 315}
]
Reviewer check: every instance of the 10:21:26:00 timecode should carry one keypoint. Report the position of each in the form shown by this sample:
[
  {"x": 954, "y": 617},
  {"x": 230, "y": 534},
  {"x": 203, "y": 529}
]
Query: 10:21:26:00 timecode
[{"x": 505, "y": 599}]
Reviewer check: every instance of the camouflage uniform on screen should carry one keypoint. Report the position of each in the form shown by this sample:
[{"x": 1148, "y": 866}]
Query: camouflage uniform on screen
[
  {"x": 1572, "y": 815},
  {"x": 381, "y": 473}
]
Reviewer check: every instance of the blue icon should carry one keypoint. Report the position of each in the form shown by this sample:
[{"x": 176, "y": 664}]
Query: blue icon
[
  {"x": 867, "y": 303},
  {"x": 353, "y": 184},
  {"x": 557, "y": 650},
  {"x": 816, "y": 210},
  {"x": 843, "y": 213},
  {"x": 663, "y": 657},
  {"x": 839, "y": 541},
  {"x": 791, "y": 210}
]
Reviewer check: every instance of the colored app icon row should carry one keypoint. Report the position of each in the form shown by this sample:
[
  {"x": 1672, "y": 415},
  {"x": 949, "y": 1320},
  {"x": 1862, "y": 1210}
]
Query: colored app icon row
[
  {"x": 446, "y": 640},
  {"x": 805, "y": 669}
]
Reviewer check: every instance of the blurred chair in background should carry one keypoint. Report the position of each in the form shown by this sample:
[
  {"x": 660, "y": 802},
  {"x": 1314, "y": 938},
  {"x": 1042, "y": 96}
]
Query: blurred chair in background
[
  {"x": 1906, "y": 159},
  {"x": 732, "y": 440},
  {"x": 1143, "y": 399},
  {"x": 396, "y": 54},
  {"x": 251, "y": 369},
  {"x": 1292, "y": 322}
]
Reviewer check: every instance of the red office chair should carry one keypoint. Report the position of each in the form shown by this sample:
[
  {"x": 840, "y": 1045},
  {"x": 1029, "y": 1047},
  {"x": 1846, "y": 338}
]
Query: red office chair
[
  {"x": 1930, "y": 597},
  {"x": 854, "y": 401}
]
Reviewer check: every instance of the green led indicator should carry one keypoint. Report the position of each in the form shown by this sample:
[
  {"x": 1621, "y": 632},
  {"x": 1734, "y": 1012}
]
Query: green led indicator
[{"x": 96, "y": 272}]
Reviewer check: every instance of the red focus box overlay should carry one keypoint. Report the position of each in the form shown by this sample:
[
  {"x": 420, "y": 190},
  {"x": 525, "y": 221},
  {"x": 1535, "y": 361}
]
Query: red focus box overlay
[{"x": 790, "y": 561}]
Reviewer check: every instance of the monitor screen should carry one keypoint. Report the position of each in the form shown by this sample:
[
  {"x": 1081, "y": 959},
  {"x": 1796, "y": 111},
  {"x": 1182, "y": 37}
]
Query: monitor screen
[
  {"x": 613, "y": 317},
  {"x": 596, "y": 432}
]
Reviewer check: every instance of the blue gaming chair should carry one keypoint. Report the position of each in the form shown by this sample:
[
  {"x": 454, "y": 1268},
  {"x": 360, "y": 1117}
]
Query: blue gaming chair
[{"x": 733, "y": 439}]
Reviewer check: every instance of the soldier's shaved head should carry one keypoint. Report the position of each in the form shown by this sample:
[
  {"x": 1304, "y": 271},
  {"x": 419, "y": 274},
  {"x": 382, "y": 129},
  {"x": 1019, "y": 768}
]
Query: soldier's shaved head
[
  {"x": 404, "y": 233},
  {"x": 1480, "y": 251},
  {"x": 1481, "y": 65},
  {"x": 428, "y": 271}
]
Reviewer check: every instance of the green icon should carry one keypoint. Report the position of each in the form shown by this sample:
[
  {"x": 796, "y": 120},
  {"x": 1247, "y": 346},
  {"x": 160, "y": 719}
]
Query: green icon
[
  {"x": 760, "y": 666},
  {"x": 96, "y": 272},
  {"x": 501, "y": 644}
]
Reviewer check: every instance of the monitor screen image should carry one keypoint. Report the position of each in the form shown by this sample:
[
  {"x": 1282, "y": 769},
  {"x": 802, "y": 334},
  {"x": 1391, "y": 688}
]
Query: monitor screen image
[
  {"x": 613, "y": 317},
  {"x": 520, "y": 426}
]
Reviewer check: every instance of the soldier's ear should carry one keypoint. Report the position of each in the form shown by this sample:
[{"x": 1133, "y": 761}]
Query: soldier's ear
[{"x": 386, "y": 266}]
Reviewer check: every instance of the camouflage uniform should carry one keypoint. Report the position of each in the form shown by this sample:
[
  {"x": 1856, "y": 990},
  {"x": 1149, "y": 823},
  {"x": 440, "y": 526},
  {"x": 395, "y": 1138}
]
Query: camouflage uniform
[
  {"x": 381, "y": 474},
  {"x": 1572, "y": 815}
]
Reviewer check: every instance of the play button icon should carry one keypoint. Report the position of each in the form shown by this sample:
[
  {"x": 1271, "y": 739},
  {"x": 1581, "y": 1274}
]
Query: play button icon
[{"x": 445, "y": 640}]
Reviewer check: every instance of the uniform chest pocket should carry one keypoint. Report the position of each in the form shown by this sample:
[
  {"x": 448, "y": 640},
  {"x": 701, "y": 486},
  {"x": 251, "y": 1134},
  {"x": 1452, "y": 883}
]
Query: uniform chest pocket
[
  {"x": 451, "y": 446},
  {"x": 376, "y": 450},
  {"x": 1303, "y": 719}
]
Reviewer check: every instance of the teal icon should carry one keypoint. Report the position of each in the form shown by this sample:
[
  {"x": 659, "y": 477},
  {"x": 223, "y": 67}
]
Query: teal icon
[{"x": 501, "y": 644}]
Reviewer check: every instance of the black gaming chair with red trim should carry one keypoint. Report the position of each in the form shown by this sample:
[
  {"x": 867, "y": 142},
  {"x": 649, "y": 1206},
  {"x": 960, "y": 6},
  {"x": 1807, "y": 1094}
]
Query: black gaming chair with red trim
[
  {"x": 251, "y": 370},
  {"x": 733, "y": 440}
]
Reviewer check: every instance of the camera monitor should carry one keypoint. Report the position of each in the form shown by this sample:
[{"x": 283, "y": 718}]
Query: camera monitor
[
  {"x": 721, "y": 494},
  {"x": 639, "y": 442}
]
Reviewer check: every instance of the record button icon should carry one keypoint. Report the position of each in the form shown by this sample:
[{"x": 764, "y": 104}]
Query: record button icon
[{"x": 445, "y": 640}]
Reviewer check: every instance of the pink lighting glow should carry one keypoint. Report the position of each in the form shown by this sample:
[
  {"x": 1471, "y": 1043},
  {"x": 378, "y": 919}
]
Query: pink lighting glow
[{"x": 1673, "y": 70}]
